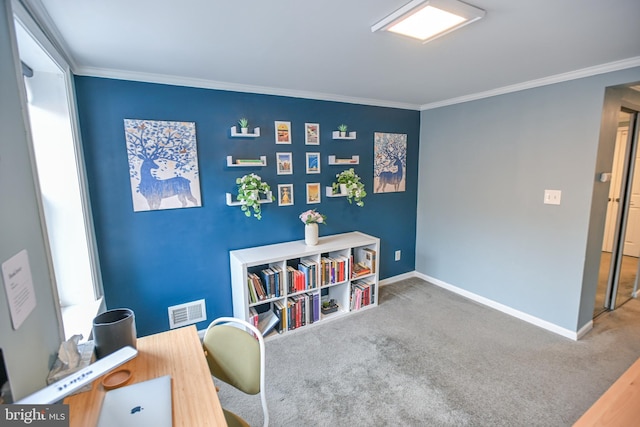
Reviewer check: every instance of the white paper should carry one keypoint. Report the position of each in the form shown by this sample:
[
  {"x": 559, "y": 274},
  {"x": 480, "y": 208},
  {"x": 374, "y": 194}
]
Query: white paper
[{"x": 19, "y": 287}]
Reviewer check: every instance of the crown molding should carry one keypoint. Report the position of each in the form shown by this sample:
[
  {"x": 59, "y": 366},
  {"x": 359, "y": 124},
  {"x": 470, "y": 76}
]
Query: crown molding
[
  {"x": 558, "y": 78},
  {"x": 235, "y": 87},
  {"x": 39, "y": 15}
]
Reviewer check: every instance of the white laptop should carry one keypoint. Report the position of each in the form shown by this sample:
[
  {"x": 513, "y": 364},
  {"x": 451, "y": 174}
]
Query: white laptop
[{"x": 143, "y": 404}]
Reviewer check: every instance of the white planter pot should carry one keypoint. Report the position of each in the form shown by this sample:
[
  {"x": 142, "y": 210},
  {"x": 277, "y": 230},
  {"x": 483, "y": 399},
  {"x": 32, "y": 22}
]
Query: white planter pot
[
  {"x": 311, "y": 234},
  {"x": 244, "y": 130},
  {"x": 343, "y": 189}
]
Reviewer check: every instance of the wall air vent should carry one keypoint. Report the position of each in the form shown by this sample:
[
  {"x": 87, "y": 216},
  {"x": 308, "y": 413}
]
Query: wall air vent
[{"x": 187, "y": 314}]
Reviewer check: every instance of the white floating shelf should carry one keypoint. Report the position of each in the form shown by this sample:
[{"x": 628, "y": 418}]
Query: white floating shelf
[
  {"x": 329, "y": 192},
  {"x": 262, "y": 161},
  {"x": 350, "y": 135},
  {"x": 231, "y": 202},
  {"x": 354, "y": 160},
  {"x": 234, "y": 133}
]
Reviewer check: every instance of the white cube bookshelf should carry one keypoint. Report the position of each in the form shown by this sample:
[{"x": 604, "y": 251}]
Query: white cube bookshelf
[{"x": 335, "y": 253}]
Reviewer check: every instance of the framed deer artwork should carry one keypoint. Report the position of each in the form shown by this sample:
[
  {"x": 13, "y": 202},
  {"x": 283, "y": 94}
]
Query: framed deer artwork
[
  {"x": 390, "y": 161},
  {"x": 163, "y": 164}
]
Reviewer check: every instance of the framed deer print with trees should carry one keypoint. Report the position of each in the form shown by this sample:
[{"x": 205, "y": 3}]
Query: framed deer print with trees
[
  {"x": 163, "y": 164},
  {"x": 390, "y": 160}
]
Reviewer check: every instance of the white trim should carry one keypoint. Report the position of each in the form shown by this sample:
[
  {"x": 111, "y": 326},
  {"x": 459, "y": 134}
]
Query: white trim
[
  {"x": 558, "y": 78},
  {"x": 36, "y": 20},
  {"x": 506, "y": 309},
  {"x": 586, "y": 328},
  {"x": 399, "y": 277},
  {"x": 235, "y": 87}
]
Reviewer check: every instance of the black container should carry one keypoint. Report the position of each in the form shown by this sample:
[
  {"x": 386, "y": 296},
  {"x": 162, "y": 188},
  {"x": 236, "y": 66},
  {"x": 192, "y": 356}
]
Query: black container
[{"x": 113, "y": 330}]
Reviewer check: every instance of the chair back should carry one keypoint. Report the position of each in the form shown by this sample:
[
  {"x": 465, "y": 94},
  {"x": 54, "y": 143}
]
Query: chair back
[{"x": 236, "y": 356}]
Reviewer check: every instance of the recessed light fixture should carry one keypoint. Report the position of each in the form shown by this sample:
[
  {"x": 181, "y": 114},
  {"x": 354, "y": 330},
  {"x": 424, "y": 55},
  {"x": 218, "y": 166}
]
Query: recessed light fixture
[{"x": 427, "y": 20}]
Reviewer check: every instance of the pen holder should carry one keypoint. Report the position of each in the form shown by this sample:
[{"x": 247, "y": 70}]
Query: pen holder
[{"x": 113, "y": 330}]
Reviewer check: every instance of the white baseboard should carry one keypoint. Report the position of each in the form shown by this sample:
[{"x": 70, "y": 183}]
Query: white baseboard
[
  {"x": 399, "y": 277},
  {"x": 508, "y": 310}
]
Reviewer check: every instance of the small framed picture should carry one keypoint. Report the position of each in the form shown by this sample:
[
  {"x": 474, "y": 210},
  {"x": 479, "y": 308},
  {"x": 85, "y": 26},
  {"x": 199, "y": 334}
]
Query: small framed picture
[
  {"x": 313, "y": 162},
  {"x": 284, "y": 163},
  {"x": 283, "y": 132},
  {"x": 312, "y": 134},
  {"x": 285, "y": 194},
  {"x": 313, "y": 193}
]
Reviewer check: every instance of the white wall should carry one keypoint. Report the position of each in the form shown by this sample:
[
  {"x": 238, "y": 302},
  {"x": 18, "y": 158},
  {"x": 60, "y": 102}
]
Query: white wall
[{"x": 484, "y": 166}]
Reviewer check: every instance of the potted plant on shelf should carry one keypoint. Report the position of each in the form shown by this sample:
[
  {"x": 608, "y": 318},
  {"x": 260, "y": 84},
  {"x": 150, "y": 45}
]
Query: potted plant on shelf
[
  {"x": 343, "y": 130},
  {"x": 250, "y": 187},
  {"x": 244, "y": 125},
  {"x": 348, "y": 181},
  {"x": 311, "y": 219}
]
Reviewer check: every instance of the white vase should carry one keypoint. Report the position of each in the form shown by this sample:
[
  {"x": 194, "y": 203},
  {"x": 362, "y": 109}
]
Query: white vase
[{"x": 311, "y": 234}]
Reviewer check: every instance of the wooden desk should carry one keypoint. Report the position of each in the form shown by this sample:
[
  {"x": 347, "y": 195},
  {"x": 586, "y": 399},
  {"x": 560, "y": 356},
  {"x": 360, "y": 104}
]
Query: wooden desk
[
  {"x": 618, "y": 406},
  {"x": 177, "y": 353}
]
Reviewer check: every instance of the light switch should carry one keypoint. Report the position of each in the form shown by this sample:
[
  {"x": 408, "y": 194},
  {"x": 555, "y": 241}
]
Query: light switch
[{"x": 552, "y": 197}]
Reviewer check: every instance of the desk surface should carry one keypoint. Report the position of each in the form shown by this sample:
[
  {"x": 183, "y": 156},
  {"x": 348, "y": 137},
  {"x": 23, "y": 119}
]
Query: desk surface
[
  {"x": 618, "y": 406},
  {"x": 177, "y": 353}
]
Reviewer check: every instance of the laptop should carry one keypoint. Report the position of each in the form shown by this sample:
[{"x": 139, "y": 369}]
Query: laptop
[{"x": 143, "y": 404}]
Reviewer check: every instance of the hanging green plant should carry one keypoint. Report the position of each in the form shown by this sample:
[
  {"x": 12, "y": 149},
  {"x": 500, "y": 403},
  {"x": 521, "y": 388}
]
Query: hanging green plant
[
  {"x": 354, "y": 187},
  {"x": 250, "y": 187}
]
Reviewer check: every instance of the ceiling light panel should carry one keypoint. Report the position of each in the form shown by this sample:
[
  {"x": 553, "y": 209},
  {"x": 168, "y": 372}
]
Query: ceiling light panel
[{"x": 427, "y": 20}]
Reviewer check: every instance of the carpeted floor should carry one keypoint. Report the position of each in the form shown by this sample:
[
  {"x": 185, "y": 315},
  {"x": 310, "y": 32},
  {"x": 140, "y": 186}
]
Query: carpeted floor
[{"x": 427, "y": 357}]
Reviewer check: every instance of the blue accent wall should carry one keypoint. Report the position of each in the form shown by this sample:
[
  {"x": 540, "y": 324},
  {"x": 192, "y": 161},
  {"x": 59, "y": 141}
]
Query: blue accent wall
[{"x": 156, "y": 259}]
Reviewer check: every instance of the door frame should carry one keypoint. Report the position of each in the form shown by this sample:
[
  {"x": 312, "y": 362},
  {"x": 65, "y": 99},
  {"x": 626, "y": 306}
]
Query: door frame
[{"x": 617, "y": 254}]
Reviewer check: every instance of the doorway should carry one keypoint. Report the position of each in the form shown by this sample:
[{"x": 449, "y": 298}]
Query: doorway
[{"x": 619, "y": 262}]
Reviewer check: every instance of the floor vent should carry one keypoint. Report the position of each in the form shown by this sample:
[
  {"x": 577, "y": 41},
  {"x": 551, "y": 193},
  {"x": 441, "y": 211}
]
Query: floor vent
[{"x": 187, "y": 314}]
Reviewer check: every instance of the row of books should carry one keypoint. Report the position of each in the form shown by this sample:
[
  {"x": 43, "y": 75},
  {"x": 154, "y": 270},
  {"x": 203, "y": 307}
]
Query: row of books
[
  {"x": 297, "y": 311},
  {"x": 333, "y": 270},
  {"x": 265, "y": 287},
  {"x": 362, "y": 294},
  {"x": 269, "y": 282},
  {"x": 305, "y": 277}
]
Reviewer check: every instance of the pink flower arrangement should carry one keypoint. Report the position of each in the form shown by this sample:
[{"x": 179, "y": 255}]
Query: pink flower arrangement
[{"x": 313, "y": 217}]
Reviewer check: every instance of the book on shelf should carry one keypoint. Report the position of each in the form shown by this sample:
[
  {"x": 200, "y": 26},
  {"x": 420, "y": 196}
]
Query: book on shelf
[
  {"x": 268, "y": 278},
  {"x": 280, "y": 309},
  {"x": 253, "y": 316},
  {"x": 253, "y": 296},
  {"x": 256, "y": 285},
  {"x": 267, "y": 321},
  {"x": 348, "y": 161},
  {"x": 248, "y": 161},
  {"x": 309, "y": 269},
  {"x": 278, "y": 279},
  {"x": 359, "y": 269}
]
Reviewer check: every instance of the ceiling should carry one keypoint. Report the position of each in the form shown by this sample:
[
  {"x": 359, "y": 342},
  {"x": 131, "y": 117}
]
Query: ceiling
[{"x": 326, "y": 50}]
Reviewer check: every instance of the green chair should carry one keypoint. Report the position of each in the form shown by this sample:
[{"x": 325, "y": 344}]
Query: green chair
[{"x": 236, "y": 357}]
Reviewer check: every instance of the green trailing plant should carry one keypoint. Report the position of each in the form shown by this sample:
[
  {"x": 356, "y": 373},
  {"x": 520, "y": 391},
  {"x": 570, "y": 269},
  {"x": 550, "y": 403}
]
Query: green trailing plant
[
  {"x": 250, "y": 187},
  {"x": 355, "y": 187},
  {"x": 342, "y": 128},
  {"x": 243, "y": 122}
]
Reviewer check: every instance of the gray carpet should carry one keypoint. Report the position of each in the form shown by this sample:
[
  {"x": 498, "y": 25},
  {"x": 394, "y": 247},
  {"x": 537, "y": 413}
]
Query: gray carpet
[{"x": 427, "y": 357}]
